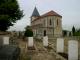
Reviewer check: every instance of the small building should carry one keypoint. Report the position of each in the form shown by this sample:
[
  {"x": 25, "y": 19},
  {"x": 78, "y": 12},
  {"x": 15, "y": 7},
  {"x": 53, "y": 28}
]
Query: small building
[{"x": 48, "y": 24}]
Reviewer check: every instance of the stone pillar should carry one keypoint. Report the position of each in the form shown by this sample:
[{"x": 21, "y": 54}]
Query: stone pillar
[
  {"x": 45, "y": 41},
  {"x": 5, "y": 40},
  {"x": 72, "y": 50},
  {"x": 60, "y": 45}
]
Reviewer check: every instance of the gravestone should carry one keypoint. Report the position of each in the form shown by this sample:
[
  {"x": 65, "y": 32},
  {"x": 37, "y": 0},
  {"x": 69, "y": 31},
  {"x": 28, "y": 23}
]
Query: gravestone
[
  {"x": 45, "y": 41},
  {"x": 68, "y": 33},
  {"x": 30, "y": 41},
  {"x": 72, "y": 50},
  {"x": 5, "y": 40},
  {"x": 79, "y": 50},
  {"x": 60, "y": 45}
]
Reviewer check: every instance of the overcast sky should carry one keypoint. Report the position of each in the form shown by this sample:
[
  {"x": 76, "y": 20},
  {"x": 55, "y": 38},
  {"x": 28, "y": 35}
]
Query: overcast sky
[{"x": 69, "y": 9}]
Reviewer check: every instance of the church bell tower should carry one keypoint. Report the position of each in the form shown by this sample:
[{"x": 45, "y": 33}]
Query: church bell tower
[{"x": 35, "y": 14}]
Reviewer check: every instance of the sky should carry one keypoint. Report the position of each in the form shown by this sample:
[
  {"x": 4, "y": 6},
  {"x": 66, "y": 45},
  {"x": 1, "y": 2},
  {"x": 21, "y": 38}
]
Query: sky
[{"x": 69, "y": 9}]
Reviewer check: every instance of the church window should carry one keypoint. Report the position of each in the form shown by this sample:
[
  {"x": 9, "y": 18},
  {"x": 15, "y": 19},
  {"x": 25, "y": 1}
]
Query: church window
[
  {"x": 57, "y": 21},
  {"x": 50, "y": 22}
]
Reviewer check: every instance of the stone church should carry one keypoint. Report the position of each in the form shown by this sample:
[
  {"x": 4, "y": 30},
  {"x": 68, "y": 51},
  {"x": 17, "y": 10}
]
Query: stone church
[{"x": 48, "y": 24}]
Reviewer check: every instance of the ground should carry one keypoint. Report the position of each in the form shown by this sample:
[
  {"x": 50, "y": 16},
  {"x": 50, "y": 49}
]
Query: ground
[{"x": 40, "y": 52}]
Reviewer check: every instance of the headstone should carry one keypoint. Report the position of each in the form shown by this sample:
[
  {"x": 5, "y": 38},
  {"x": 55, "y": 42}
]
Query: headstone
[
  {"x": 5, "y": 40},
  {"x": 79, "y": 49},
  {"x": 17, "y": 34},
  {"x": 73, "y": 50},
  {"x": 30, "y": 41},
  {"x": 67, "y": 33},
  {"x": 45, "y": 41},
  {"x": 60, "y": 45}
]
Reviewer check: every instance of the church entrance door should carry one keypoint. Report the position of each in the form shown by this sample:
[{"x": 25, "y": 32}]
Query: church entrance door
[{"x": 44, "y": 32}]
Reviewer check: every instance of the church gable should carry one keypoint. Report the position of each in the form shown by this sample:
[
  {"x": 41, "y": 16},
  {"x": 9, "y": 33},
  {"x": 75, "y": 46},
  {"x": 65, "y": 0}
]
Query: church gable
[{"x": 51, "y": 13}]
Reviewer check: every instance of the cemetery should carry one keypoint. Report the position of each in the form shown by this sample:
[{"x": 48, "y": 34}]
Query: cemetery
[
  {"x": 61, "y": 48},
  {"x": 43, "y": 39}
]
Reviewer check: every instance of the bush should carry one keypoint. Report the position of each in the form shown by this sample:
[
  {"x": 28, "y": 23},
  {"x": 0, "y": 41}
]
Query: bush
[
  {"x": 28, "y": 33},
  {"x": 77, "y": 34},
  {"x": 64, "y": 32}
]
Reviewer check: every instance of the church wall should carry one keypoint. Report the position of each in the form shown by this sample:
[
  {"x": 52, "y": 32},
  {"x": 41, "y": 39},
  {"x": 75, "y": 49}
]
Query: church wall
[
  {"x": 51, "y": 30},
  {"x": 52, "y": 21},
  {"x": 45, "y": 21},
  {"x": 58, "y": 26}
]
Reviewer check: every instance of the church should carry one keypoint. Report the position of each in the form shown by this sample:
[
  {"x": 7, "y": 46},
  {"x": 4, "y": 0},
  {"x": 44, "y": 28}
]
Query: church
[{"x": 48, "y": 24}]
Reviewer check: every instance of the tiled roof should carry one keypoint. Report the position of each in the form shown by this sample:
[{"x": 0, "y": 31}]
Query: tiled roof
[{"x": 51, "y": 13}]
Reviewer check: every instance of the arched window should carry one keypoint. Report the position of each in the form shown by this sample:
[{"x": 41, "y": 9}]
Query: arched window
[
  {"x": 50, "y": 22},
  {"x": 57, "y": 21}
]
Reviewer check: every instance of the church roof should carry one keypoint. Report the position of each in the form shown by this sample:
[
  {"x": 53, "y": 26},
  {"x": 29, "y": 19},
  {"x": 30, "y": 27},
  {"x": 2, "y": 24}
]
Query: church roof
[
  {"x": 51, "y": 13},
  {"x": 35, "y": 12}
]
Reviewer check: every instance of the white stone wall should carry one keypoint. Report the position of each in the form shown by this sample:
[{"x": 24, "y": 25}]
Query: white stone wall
[{"x": 58, "y": 28}]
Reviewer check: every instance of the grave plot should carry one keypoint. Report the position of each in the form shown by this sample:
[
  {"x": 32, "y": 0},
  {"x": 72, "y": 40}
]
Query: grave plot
[
  {"x": 43, "y": 56},
  {"x": 8, "y": 52},
  {"x": 60, "y": 48},
  {"x": 39, "y": 46},
  {"x": 52, "y": 43},
  {"x": 40, "y": 53}
]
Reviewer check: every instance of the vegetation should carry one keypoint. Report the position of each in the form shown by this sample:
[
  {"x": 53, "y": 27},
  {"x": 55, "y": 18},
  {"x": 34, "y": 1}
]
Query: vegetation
[
  {"x": 73, "y": 30},
  {"x": 9, "y": 13},
  {"x": 76, "y": 32},
  {"x": 28, "y": 32},
  {"x": 64, "y": 32}
]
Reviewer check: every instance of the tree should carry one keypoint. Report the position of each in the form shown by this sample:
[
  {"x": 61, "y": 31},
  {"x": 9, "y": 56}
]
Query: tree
[
  {"x": 9, "y": 13},
  {"x": 77, "y": 33},
  {"x": 64, "y": 32},
  {"x": 28, "y": 32},
  {"x": 73, "y": 30}
]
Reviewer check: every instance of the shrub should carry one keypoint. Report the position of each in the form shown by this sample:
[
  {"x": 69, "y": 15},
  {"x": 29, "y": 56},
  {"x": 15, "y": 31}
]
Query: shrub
[{"x": 28, "y": 33}]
